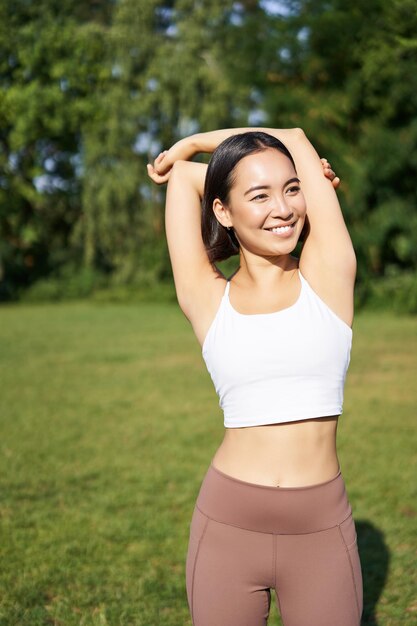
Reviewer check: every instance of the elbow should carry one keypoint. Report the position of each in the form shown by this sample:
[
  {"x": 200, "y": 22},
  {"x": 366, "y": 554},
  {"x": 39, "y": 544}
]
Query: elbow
[{"x": 298, "y": 133}]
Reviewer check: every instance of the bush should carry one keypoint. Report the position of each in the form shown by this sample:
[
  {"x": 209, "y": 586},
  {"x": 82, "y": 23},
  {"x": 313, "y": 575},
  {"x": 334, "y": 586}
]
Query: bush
[
  {"x": 80, "y": 283},
  {"x": 138, "y": 292},
  {"x": 68, "y": 284},
  {"x": 395, "y": 292}
]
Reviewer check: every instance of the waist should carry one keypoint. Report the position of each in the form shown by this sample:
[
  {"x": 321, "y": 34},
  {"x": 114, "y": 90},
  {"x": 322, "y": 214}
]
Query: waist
[
  {"x": 270, "y": 510},
  {"x": 291, "y": 454}
]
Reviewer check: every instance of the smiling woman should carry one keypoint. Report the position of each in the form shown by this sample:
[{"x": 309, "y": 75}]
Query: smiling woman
[
  {"x": 276, "y": 338},
  {"x": 270, "y": 170},
  {"x": 231, "y": 199}
]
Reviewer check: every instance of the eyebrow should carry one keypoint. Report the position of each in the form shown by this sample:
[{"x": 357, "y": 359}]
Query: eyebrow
[{"x": 257, "y": 187}]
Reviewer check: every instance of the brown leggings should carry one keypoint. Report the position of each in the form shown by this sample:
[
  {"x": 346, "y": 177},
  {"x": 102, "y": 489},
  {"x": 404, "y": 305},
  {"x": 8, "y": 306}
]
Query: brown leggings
[{"x": 246, "y": 539}]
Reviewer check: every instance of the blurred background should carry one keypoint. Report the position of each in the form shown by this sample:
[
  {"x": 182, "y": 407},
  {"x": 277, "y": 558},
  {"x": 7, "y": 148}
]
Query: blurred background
[{"x": 90, "y": 91}]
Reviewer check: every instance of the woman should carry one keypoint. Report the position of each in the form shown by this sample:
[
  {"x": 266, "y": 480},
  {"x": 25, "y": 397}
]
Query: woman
[{"x": 272, "y": 511}]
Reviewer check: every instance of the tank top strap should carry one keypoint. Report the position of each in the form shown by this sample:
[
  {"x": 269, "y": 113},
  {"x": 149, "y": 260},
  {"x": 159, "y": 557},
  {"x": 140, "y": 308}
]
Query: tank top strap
[{"x": 306, "y": 289}]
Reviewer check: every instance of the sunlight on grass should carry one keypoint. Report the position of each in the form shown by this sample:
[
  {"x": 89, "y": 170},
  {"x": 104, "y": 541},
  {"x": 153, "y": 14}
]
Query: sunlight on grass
[{"x": 109, "y": 420}]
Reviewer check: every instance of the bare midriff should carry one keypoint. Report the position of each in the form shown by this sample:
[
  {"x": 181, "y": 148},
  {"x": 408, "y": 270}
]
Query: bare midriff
[{"x": 291, "y": 454}]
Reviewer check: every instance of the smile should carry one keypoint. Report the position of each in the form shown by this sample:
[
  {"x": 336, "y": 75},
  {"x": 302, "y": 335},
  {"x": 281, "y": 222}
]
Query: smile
[{"x": 282, "y": 230}]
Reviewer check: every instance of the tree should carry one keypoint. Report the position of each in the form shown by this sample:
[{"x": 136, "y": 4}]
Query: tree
[
  {"x": 90, "y": 92},
  {"x": 347, "y": 74},
  {"x": 50, "y": 65},
  {"x": 173, "y": 75}
]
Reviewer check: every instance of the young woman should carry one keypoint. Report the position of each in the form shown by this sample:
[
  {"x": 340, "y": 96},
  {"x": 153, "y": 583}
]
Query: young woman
[{"x": 272, "y": 511}]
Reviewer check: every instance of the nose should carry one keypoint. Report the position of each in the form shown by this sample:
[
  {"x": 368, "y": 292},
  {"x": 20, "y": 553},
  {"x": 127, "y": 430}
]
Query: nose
[{"x": 281, "y": 210}]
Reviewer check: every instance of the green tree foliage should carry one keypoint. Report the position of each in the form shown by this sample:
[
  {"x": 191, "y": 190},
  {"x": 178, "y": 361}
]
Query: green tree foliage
[
  {"x": 89, "y": 92},
  {"x": 169, "y": 78},
  {"x": 351, "y": 74},
  {"x": 50, "y": 67}
]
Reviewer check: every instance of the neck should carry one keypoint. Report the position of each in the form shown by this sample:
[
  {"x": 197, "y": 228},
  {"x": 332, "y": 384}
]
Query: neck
[{"x": 257, "y": 270}]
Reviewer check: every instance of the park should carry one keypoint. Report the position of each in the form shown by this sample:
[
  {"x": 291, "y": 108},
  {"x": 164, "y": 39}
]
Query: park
[{"x": 108, "y": 417}]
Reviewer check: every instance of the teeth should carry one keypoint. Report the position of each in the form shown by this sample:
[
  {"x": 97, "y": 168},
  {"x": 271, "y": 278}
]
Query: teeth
[{"x": 280, "y": 229}]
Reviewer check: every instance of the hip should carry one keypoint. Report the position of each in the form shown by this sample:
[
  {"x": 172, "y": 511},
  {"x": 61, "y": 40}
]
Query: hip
[{"x": 267, "y": 509}]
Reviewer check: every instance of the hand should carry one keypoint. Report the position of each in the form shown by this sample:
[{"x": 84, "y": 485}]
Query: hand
[
  {"x": 153, "y": 170},
  {"x": 329, "y": 173}
]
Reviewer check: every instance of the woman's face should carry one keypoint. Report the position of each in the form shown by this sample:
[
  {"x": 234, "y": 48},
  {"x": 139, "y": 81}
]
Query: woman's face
[{"x": 266, "y": 206}]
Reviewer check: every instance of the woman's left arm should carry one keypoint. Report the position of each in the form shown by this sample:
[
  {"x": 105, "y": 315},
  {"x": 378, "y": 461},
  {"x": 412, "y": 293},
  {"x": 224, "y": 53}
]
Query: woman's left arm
[
  {"x": 328, "y": 242},
  {"x": 327, "y": 259}
]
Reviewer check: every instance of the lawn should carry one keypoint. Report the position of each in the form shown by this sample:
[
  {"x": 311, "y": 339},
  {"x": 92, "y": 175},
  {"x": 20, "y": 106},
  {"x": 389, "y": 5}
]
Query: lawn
[{"x": 108, "y": 423}]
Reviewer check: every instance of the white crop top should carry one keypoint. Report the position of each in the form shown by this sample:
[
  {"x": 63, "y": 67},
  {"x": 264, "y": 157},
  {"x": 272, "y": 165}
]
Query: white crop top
[{"x": 278, "y": 367}]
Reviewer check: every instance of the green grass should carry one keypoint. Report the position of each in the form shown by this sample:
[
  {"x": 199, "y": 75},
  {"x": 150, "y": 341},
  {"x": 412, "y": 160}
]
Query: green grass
[{"x": 108, "y": 423}]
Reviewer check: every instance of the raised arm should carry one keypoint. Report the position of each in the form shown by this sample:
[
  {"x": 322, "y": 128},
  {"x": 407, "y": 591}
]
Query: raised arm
[
  {"x": 193, "y": 273},
  {"x": 327, "y": 258}
]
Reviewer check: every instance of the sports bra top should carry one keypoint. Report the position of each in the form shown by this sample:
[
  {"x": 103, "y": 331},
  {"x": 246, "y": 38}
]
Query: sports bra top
[{"x": 277, "y": 367}]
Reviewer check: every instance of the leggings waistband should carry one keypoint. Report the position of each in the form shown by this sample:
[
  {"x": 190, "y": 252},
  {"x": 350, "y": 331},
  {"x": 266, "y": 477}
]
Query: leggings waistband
[{"x": 277, "y": 510}]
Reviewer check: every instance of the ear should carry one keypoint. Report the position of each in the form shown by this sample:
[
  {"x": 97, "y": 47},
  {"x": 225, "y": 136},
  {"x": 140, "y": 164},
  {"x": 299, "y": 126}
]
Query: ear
[{"x": 222, "y": 213}]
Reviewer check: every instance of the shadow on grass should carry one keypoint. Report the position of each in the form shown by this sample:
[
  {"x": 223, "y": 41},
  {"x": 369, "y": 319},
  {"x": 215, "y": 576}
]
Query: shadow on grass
[{"x": 374, "y": 556}]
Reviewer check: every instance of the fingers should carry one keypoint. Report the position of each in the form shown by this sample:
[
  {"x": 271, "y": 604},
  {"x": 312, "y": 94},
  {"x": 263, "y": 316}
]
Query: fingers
[
  {"x": 156, "y": 172},
  {"x": 159, "y": 179},
  {"x": 151, "y": 172},
  {"x": 330, "y": 174},
  {"x": 158, "y": 163},
  {"x": 326, "y": 166},
  {"x": 160, "y": 156}
]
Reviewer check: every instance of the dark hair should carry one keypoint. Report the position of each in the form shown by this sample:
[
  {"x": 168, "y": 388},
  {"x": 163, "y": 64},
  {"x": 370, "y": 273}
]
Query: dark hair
[{"x": 220, "y": 242}]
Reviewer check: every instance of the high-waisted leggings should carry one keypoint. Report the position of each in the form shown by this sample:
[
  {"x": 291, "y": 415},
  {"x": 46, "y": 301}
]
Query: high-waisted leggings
[{"x": 246, "y": 539}]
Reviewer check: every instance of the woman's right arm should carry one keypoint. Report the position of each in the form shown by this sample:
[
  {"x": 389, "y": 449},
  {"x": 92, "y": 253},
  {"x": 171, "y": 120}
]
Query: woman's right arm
[
  {"x": 188, "y": 147},
  {"x": 192, "y": 270}
]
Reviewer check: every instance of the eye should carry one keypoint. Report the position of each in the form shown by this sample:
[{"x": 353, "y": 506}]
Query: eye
[
  {"x": 260, "y": 196},
  {"x": 293, "y": 189}
]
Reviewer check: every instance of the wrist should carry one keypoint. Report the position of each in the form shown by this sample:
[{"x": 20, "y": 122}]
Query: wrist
[{"x": 185, "y": 148}]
